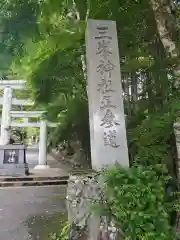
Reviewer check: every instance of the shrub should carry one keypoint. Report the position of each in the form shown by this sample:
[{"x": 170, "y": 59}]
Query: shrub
[{"x": 135, "y": 201}]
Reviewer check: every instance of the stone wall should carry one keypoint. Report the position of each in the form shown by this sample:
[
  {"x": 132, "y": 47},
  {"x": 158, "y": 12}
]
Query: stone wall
[{"x": 76, "y": 159}]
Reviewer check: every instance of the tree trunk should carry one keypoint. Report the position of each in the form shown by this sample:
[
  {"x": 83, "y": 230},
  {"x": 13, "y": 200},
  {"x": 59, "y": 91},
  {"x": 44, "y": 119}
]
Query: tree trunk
[
  {"x": 125, "y": 84},
  {"x": 167, "y": 29},
  {"x": 134, "y": 90}
]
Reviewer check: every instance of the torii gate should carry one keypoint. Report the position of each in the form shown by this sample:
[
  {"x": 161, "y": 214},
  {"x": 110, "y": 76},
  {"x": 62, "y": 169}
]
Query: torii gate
[
  {"x": 42, "y": 160},
  {"x": 6, "y": 123}
]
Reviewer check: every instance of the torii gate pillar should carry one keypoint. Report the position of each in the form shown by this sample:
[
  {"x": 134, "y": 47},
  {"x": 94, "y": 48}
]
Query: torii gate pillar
[
  {"x": 6, "y": 117},
  {"x": 42, "y": 162},
  {"x": 8, "y": 86}
]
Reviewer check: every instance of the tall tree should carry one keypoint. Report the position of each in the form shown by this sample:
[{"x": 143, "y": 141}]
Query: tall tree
[{"x": 166, "y": 16}]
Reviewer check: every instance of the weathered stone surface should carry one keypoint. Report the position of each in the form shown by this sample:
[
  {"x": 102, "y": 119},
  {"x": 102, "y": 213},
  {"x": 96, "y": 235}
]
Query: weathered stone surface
[
  {"x": 82, "y": 191},
  {"x": 106, "y": 110},
  {"x": 73, "y": 155}
]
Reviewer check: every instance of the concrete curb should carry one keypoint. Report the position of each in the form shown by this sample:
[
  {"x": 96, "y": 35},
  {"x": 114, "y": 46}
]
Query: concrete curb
[
  {"x": 32, "y": 178},
  {"x": 33, "y": 183},
  {"x": 25, "y": 181}
]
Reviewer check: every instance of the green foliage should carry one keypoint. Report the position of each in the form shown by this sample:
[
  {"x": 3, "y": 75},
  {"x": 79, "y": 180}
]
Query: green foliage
[
  {"x": 152, "y": 139},
  {"x": 63, "y": 235},
  {"x": 72, "y": 127},
  {"x": 152, "y": 142},
  {"x": 135, "y": 201}
]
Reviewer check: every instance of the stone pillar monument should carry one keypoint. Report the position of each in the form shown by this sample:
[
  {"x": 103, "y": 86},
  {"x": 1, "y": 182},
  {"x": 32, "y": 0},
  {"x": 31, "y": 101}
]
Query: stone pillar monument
[
  {"x": 6, "y": 116},
  {"x": 107, "y": 131}
]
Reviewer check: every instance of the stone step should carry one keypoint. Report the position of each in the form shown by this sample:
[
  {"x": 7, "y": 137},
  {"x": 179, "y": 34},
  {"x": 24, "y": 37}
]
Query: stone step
[{"x": 6, "y": 184}]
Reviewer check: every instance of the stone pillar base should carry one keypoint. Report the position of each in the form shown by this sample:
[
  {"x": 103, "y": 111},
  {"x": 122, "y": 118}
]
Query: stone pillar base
[
  {"x": 84, "y": 224},
  {"x": 41, "y": 167}
]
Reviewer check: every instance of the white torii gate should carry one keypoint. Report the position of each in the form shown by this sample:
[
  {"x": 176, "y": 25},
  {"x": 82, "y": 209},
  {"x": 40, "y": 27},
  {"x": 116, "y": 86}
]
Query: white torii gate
[
  {"x": 42, "y": 160},
  {"x": 7, "y": 101},
  {"x": 6, "y": 123}
]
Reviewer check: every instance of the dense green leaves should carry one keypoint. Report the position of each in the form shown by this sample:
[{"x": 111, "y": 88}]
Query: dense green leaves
[{"x": 135, "y": 201}]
